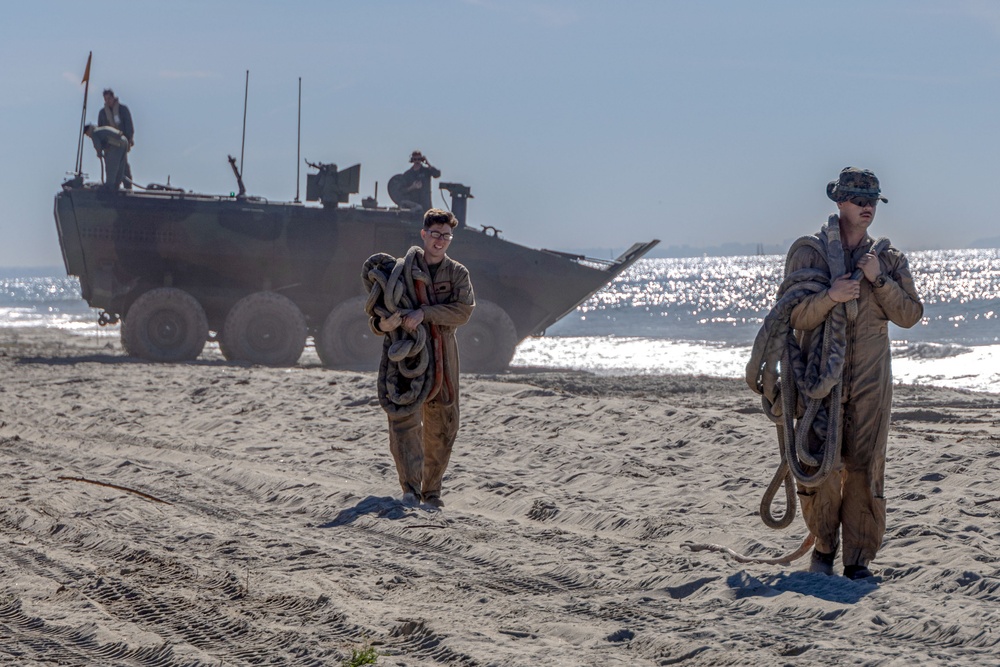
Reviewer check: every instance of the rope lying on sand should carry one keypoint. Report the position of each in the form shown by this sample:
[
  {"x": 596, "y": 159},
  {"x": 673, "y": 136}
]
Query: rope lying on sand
[
  {"x": 411, "y": 369},
  {"x": 805, "y": 385},
  {"x": 740, "y": 558},
  {"x": 115, "y": 486}
]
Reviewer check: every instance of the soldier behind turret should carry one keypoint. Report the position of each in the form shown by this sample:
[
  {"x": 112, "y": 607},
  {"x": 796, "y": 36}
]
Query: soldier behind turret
[{"x": 415, "y": 184}]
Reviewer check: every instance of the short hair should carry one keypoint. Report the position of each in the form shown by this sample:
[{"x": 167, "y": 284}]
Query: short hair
[
  {"x": 439, "y": 216},
  {"x": 108, "y": 91},
  {"x": 88, "y": 127}
]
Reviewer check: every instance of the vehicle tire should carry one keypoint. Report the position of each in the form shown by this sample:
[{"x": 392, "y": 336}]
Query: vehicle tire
[
  {"x": 124, "y": 341},
  {"x": 487, "y": 341},
  {"x": 346, "y": 340},
  {"x": 165, "y": 324},
  {"x": 264, "y": 328}
]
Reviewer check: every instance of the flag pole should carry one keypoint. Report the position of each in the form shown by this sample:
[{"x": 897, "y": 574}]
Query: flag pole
[{"x": 83, "y": 117}]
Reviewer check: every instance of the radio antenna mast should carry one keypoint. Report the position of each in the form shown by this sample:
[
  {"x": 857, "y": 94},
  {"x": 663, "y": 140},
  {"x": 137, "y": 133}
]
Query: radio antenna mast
[
  {"x": 298, "y": 148},
  {"x": 246, "y": 93}
]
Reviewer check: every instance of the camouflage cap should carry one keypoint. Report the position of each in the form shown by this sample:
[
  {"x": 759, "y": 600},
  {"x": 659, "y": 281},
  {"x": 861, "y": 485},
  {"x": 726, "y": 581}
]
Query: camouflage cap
[{"x": 854, "y": 182}]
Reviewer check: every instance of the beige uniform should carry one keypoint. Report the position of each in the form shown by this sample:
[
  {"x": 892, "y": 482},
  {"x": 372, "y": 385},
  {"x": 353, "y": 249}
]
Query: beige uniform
[
  {"x": 853, "y": 498},
  {"x": 421, "y": 442}
]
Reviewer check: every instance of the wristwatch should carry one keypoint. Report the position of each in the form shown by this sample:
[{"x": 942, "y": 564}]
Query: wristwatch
[{"x": 880, "y": 281}]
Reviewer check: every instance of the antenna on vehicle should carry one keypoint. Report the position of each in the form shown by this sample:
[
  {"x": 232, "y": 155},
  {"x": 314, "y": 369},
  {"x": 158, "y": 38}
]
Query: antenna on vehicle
[
  {"x": 298, "y": 148},
  {"x": 246, "y": 94}
]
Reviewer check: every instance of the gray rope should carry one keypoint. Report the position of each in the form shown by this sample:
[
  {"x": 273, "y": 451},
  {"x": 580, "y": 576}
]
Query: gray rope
[
  {"x": 778, "y": 372},
  {"x": 406, "y": 371}
]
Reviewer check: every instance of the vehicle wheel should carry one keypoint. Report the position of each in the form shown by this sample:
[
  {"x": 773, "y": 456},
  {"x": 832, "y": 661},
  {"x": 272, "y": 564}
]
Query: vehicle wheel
[
  {"x": 165, "y": 324},
  {"x": 346, "y": 340},
  {"x": 264, "y": 328},
  {"x": 487, "y": 341},
  {"x": 124, "y": 341}
]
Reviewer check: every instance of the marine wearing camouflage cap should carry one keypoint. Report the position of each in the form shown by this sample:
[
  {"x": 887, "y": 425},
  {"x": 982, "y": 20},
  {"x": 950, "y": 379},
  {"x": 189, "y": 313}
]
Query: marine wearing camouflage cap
[{"x": 854, "y": 182}]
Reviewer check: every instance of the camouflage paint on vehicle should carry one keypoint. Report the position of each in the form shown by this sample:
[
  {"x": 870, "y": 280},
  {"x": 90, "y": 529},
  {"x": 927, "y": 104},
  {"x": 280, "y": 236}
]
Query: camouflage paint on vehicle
[{"x": 222, "y": 251}]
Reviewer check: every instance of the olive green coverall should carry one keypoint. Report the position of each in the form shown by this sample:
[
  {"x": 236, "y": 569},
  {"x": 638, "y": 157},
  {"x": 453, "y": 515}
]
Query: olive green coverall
[
  {"x": 852, "y": 498},
  {"x": 421, "y": 442}
]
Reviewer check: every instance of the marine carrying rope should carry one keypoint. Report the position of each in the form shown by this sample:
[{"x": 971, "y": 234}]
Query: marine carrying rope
[
  {"x": 808, "y": 386},
  {"x": 411, "y": 370}
]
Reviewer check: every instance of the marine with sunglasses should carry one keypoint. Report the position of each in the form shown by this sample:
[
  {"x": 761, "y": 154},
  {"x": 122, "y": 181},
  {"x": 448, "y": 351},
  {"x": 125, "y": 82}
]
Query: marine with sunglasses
[{"x": 850, "y": 504}]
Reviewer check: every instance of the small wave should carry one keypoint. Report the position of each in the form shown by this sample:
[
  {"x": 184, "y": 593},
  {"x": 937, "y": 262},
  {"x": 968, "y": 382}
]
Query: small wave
[{"x": 929, "y": 350}]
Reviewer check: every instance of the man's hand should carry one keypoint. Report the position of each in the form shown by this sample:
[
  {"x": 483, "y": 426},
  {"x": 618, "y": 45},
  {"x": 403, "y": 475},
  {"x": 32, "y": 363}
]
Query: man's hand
[
  {"x": 871, "y": 267},
  {"x": 391, "y": 323},
  {"x": 844, "y": 289},
  {"x": 413, "y": 319}
]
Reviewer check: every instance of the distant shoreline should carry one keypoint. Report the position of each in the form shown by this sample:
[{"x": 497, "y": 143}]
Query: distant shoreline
[{"x": 659, "y": 252}]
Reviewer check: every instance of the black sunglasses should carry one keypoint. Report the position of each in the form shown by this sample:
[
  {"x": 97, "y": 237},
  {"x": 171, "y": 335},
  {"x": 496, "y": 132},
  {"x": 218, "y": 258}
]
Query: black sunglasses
[{"x": 864, "y": 201}]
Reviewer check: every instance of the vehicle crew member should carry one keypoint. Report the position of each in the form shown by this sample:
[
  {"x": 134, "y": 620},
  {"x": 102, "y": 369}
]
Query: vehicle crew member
[
  {"x": 111, "y": 145},
  {"x": 115, "y": 114},
  {"x": 421, "y": 442},
  {"x": 852, "y": 500},
  {"x": 416, "y": 183}
]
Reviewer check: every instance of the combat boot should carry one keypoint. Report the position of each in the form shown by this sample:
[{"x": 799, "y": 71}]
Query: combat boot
[
  {"x": 856, "y": 572},
  {"x": 822, "y": 562}
]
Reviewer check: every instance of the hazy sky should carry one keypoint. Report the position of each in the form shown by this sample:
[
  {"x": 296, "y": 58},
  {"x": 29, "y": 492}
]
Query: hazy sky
[{"x": 578, "y": 124}]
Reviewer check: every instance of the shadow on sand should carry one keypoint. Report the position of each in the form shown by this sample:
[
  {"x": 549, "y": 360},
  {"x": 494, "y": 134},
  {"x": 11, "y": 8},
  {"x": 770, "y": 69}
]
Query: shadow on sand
[
  {"x": 384, "y": 507},
  {"x": 830, "y": 588},
  {"x": 118, "y": 359}
]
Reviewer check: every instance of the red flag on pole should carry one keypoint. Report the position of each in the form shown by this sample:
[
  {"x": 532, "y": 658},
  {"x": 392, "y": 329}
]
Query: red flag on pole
[
  {"x": 83, "y": 117},
  {"x": 86, "y": 72}
]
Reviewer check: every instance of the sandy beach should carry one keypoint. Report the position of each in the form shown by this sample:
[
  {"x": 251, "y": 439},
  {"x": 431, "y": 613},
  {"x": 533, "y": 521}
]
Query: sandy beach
[{"x": 216, "y": 514}]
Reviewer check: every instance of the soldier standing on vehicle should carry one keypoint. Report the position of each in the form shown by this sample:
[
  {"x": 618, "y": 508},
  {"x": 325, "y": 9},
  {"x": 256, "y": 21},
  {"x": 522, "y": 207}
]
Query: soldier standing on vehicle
[
  {"x": 111, "y": 145},
  {"x": 851, "y": 501},
  {"x": 115, "y": 114},
  {"x": 421, "y": 441}
]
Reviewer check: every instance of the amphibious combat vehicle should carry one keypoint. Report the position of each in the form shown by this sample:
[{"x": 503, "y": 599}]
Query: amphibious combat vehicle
[{"x": 179, "y": 268}]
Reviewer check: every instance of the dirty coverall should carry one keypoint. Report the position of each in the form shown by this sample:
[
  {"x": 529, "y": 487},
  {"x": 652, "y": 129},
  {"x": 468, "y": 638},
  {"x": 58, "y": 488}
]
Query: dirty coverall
[
  {"x": 421, "y": 442},
  {"x": 853, "y": 497}
]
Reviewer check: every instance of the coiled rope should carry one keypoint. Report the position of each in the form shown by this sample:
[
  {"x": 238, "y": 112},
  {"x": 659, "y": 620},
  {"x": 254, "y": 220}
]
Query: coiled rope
[
  {"x": 411, "y": 370},
  {"x": 779, "y": 373}
]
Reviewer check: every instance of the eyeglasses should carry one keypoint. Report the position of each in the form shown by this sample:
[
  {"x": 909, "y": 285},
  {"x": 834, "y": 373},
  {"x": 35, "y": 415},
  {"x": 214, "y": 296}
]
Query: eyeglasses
[
  {"x": 442, "y": 236},
  {"x": 864, "y": 201}
]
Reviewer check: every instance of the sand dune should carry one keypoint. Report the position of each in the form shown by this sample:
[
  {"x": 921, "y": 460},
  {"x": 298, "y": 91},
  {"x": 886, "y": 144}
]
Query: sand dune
[{"x": 270, "y": 531}]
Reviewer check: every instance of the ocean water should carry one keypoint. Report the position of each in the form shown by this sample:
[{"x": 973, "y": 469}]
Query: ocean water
[{"x": 665, "y": 316}]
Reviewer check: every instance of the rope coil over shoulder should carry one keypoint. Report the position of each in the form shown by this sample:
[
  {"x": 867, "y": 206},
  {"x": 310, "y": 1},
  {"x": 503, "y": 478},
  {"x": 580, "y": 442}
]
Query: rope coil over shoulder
[
  {"x": 801, "y": 393},
  {"x": 411, "y": 369}
]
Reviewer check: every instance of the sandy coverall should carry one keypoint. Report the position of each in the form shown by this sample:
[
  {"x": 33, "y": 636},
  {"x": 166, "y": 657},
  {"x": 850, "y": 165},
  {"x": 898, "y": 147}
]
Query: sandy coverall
[
  {"x": 421, "y": 442},
  {"x": 853, "y": 498}
]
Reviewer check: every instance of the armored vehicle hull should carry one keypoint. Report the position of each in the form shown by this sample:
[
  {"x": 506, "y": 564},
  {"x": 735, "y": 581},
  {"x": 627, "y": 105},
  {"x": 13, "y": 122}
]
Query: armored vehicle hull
[{"x": 179, "y": 268}]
